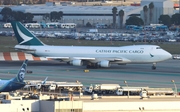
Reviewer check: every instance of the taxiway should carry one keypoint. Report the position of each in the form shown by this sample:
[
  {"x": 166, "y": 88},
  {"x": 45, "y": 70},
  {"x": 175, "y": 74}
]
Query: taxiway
[{"x": 134, "y": 74}]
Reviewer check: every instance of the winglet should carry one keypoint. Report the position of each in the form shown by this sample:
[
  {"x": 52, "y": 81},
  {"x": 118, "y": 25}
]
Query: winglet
[
  {"x": 45, "y": 80},
  {"x": 24, "y": 36}
]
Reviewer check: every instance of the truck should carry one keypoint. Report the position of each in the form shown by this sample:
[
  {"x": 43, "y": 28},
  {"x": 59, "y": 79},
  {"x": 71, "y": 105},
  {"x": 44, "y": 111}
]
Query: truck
[
  {"x": 102, "y": 88},
  {"x": 146, "y": 93},
  {"x": 116, "y": 89},
  {"x": 159, "y": 91},
  {"x": 70, "y": 86},
  {"x": 147, "y": 90},
  {"x": 132, "y": 90}
]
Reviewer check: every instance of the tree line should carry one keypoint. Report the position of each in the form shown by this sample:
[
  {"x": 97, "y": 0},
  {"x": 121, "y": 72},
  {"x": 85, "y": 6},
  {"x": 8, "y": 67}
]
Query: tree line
[
  {"x": 8, "y": 14},
  {"x": 53, "y": 16},
  {"x": 18, "y": 2}
]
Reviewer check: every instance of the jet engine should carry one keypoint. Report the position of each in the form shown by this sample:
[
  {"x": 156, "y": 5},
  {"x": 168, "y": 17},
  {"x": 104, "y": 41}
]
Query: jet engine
[
  {"x": 104, "y": 63},
  {"x": 77, "y": 62},
  {"x": 38, "y": 86},
  {"x": 52, "y": 87}
]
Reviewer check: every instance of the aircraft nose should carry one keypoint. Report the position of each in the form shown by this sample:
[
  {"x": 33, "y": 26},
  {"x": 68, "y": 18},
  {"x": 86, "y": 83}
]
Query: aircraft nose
[{"x": 169, "y": 56}]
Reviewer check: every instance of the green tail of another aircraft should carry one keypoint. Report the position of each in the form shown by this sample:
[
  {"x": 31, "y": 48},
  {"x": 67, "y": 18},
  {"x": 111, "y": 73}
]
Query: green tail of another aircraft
[{"x": 24, "y": 36}]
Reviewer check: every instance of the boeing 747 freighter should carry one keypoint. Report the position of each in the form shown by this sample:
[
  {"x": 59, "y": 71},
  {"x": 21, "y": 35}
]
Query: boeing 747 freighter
[{"x": 91, "y": 56}]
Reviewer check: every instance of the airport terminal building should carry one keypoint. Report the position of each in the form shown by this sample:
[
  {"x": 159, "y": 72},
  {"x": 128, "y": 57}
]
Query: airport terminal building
[
  {"x": 86, "y": 104},
  {"x": 161, "y": 7}
]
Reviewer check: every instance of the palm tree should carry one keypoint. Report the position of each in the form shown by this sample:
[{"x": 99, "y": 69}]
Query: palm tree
[
  {"x": 121, "y": 15},
  {"x": 29, "y": 17},
  {"x": 145, "y": 9},
  {"x": 46, "y": 17},
  {"x": 114, "y": 11},
  {"x": 151, "y": 7},
  {"x": 60, "y": 14},
  {"x": 6, "y": 13},
  {"x": 54, "y": 16}
]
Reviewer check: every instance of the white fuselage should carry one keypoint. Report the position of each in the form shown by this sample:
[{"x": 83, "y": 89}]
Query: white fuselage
[{"x": 132, "y": 54}]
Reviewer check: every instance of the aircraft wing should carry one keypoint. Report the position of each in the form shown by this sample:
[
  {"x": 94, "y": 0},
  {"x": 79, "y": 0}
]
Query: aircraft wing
[
  {"x": 69, "y": 58},
  {"x": 58, "y": 58},
  {"x": 112, "y": 59}
]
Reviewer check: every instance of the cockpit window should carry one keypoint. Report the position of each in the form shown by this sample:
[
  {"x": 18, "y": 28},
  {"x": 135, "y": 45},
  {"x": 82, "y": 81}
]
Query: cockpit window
[{"x": 158, "y": 47}]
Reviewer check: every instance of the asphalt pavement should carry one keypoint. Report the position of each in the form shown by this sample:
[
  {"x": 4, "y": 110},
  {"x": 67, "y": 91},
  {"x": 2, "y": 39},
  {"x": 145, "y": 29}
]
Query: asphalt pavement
[{"x": 134, "y": 74}]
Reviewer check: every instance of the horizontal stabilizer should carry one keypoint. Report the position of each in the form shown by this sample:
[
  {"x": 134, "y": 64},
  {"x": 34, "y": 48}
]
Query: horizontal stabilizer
[{"x": 21, "y": 49}]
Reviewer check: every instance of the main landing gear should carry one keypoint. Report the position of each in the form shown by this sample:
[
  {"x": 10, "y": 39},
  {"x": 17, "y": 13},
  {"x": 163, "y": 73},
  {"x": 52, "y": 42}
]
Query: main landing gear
[
  {"x": 154, "y": 66},
  {"x": 93, "y": 66}
]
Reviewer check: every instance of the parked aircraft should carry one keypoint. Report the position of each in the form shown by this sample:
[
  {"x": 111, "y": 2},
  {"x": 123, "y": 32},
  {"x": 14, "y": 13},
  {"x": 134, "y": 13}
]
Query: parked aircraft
[
  {"x": 92, "y": 56},
  {"x": 14, "y": 83},
  {"x": 38, "y": 85}
]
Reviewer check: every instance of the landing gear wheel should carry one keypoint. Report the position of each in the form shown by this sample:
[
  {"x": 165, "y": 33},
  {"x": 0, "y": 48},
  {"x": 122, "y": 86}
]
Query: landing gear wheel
[
  {"x": 153, "y": 67},
  {"x": 88, "y": 66},
  {"x": 95, "y": 66}
]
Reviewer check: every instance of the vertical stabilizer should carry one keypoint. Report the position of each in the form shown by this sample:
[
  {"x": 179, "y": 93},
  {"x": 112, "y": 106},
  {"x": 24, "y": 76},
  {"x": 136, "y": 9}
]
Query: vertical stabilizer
[
  {"x": 24, "y": 36},
  {"x": 20, "y": 76}
]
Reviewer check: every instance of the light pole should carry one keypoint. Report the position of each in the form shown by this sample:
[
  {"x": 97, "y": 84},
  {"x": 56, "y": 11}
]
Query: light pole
[
  {"x": 125, "y": 82},
  {"x": 179, "y": 6},
  {"x": 174, "y": 87}
]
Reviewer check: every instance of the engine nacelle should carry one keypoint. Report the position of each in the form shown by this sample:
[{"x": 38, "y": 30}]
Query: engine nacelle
[
  {"x": 38, "y": 86},
  {"x": 52, "y": 87},
  {"x": 104, "y": 63},
  {"x": 77, "y": 62}
]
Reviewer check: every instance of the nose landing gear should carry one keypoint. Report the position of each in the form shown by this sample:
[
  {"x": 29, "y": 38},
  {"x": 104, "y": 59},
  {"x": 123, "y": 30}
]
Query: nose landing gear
[{"x": 154, "y": 66}]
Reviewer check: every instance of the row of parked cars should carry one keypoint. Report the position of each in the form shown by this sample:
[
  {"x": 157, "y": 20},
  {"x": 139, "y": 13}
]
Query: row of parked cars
[
  {"x": 111, "y": 36},
  {"x": 176, "y": 57}
]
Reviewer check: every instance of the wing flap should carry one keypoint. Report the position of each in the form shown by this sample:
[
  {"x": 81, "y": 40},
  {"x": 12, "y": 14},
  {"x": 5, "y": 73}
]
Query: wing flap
[
  {"x": 115, "y": 59},
  {"x": 109, "y": 59}
]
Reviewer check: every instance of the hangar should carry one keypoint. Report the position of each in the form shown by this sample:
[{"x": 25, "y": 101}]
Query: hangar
[
  {"x": 95, "y": 14},
  {"x": 78, "y": 14}
]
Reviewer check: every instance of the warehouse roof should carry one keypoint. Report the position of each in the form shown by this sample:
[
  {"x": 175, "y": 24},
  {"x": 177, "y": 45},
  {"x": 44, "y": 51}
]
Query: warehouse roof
[{"x": 71, "y": 9}]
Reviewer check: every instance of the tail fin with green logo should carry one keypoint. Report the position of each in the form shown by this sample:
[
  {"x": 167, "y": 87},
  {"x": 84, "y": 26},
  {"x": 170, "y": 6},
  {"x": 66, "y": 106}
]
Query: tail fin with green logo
[{"x": 24, "y": 36}]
